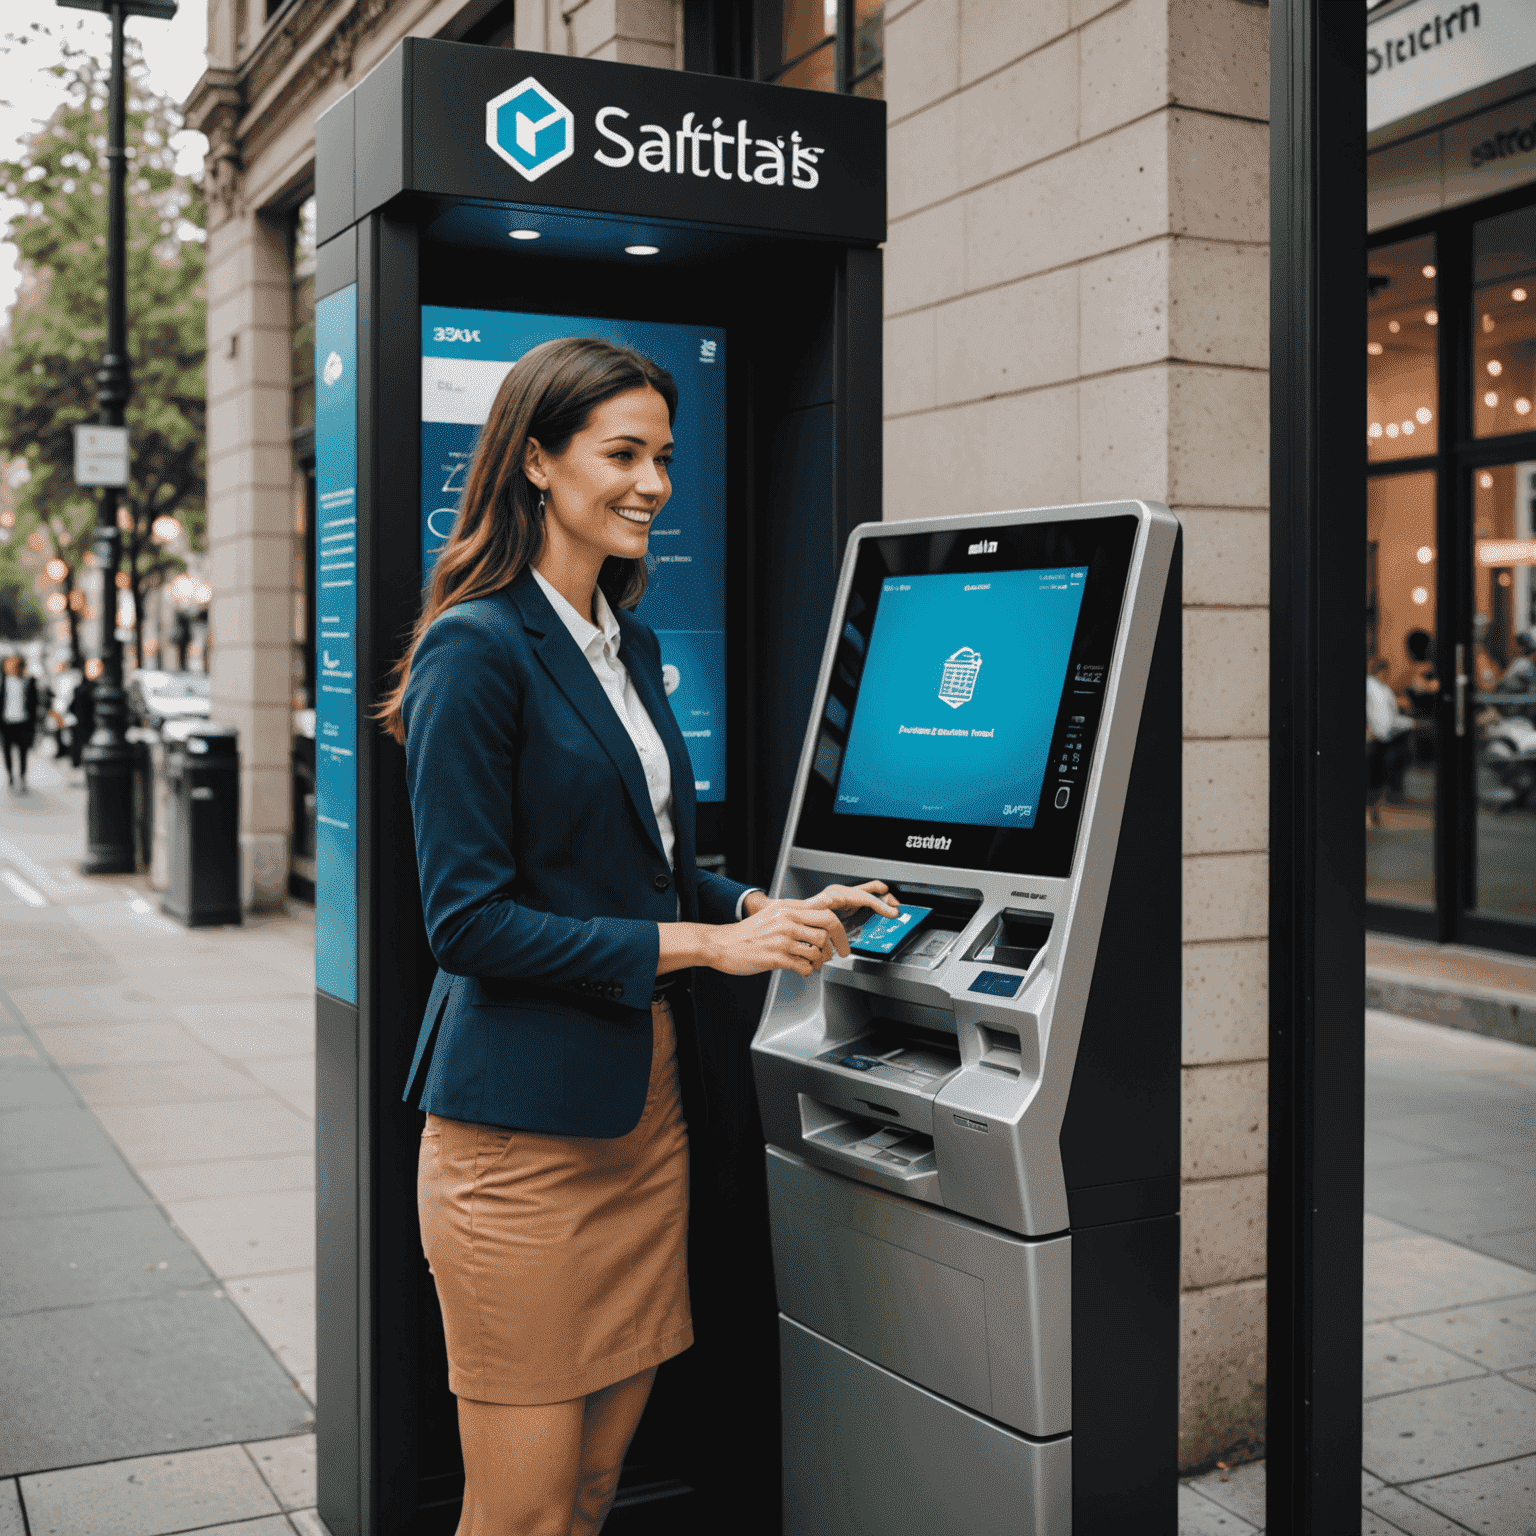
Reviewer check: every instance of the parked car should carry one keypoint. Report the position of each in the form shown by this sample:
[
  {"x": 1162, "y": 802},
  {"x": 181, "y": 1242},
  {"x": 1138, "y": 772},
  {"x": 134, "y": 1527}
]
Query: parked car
[{"x": 155, "y": 697}]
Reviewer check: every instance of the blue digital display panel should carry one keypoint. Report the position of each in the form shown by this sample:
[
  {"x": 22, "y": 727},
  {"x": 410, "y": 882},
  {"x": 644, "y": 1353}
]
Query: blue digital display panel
[
  {"x": 466, "y": 353},
  {"x": 336, "y": 644},
  {"x": 959, "y": 695}
]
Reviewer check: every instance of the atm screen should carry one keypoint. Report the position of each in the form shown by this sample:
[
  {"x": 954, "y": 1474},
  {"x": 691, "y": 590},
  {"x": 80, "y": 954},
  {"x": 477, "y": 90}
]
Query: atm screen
[
  {"x": 959, "y": 696},
  {"x": 960, "y": 717},
  {"x": 466, "y": 353}
]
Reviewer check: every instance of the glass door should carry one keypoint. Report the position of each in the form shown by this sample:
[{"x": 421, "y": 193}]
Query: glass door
[
  {"x": 1450, "y": 599},
  {"x": 1402, "y": 673}
]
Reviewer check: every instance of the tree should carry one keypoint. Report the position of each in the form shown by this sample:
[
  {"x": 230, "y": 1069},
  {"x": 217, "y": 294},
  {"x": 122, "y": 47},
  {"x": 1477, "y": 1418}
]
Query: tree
[{"x": 57, "y": 327}]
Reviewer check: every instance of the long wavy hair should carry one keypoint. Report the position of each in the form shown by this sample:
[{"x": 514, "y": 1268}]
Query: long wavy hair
[{"x": 549, "y": 396}]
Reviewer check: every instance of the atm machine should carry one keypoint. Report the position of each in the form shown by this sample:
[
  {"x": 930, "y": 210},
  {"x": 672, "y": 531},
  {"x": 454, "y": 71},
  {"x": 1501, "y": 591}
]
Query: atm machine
[{"x": 973, "y": 1118}]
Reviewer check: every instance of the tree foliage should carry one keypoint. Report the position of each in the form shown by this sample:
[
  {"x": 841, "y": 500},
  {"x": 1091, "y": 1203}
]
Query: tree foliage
[{"x": 57, "y": 329}]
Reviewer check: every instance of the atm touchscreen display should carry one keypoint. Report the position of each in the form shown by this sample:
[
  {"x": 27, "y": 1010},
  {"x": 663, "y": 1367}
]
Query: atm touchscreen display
[{"x": 964, "y": 701}]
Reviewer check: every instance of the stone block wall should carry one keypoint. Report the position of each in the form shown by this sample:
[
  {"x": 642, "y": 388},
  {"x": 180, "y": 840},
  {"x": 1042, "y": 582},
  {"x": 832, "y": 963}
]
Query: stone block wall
[{"x": 1077, "y": 309}]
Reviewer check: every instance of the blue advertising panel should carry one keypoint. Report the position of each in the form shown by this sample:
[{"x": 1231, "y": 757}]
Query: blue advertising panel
[
  {"x": 336, "y": 644},
  {"x": 466, "y": 353},
  {"x": 959, "y": 696}
]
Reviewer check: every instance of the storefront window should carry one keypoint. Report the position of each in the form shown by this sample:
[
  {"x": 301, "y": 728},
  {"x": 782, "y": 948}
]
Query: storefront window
[
  {"x": 1402, "y": 331},
  {"x": 1504, "y": 324},
  {"x": 1402, "y": 685},
  {"x": 824, "y": 45},
  {"x": 1502, "y": 678}
]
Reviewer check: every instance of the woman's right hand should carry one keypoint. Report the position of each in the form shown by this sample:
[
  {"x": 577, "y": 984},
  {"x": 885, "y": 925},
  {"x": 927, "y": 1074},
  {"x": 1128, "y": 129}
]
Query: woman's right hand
[{"x": 779, "y": 937}]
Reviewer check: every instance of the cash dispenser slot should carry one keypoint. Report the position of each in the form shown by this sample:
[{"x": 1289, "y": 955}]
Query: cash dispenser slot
[{"x": 1013, "y": 939}]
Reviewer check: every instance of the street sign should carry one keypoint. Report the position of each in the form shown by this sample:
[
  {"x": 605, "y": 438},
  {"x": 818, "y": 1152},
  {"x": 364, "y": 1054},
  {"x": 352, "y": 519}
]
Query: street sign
[
  {"x": 163, "y": 10},
  {"x": 101, "y": 456}
]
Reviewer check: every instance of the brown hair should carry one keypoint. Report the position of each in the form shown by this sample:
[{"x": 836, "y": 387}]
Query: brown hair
[{"x": 549, "y": 395}]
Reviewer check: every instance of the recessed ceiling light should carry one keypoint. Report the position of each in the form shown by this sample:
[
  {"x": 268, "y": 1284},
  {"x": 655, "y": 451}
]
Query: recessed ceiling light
[
  {"x": 524, "y": 234},
  {"x": 641, "y": 250}
]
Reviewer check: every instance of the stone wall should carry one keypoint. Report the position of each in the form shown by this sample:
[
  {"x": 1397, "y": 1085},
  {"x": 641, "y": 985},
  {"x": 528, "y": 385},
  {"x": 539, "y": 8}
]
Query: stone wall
[{"x": 1077, "y": 307}]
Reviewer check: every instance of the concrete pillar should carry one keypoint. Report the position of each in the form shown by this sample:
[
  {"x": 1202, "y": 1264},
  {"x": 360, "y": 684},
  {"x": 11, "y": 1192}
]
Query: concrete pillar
[
  {"x": 1077, "y": 307},
  {"x": 251, "y": 525}
]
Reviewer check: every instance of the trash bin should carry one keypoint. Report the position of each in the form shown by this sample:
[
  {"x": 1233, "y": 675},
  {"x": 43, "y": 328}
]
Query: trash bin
[{"x": 202, "y": 772}]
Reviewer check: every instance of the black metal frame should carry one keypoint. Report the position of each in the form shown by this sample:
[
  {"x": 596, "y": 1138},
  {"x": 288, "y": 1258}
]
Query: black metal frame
[
  {"x": 743, "y": 39},
  {"x": 1317, "y": 782},
  {"x": 1452, "y": 918}
]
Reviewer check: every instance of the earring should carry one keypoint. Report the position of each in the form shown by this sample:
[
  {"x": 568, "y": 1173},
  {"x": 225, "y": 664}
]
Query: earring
[{"x": 541, "y": 504}]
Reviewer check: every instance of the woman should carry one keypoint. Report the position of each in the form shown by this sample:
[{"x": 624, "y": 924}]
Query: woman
[
  {"x": 18, "y": 719},
  {"x": 552, "y": 801}
]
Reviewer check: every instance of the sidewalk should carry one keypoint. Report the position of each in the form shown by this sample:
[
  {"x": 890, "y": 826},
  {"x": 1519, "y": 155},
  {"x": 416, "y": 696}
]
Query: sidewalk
[
  {"x": 156, "y": 1183},
  {"x": 1450, "y": 1296},
  {"x": 157, "y": 1287}
]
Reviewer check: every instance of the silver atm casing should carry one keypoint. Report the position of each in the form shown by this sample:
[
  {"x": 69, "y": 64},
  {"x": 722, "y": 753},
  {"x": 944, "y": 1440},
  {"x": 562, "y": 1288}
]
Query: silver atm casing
[{"x": 930, "y": 1299}]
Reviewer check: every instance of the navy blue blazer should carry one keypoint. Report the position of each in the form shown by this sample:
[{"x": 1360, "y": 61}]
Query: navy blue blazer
[{"x": 542, "y": 871}]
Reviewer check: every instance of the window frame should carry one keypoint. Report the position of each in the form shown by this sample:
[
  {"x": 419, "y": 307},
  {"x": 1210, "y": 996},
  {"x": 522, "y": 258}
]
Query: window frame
[{"x": 1453, "y": 917}]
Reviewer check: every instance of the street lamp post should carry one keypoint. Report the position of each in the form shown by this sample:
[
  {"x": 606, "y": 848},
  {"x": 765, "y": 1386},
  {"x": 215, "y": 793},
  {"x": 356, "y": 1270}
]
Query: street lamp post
[{"x": 108, "y": 755}]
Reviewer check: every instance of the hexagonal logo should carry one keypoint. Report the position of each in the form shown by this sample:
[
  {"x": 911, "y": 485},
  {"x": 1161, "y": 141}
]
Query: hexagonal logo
[{"x": 530, "y": 129}]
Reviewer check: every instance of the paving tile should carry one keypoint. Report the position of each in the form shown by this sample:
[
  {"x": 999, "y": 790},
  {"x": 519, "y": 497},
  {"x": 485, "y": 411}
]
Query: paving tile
[
  {"x": 292, "y": 1079},
  {"x": 46, "y": 1007},
  {"x": 52, "y": 1137},
  {"x": 31, "y": 1085},
  {"x": 14, "y": 1046},
  {"x": 129, "y": 1378},
  {"x": 52, "y": 1192},
  {"x": 1516, "y": 1247},
  {"x": 1414, "y": 1274},
  {"x": 308, "y": 1383},
  {"x": 289, "y": 1468},
  {"x": 1398, "y": 1362},
  {"x": 1442, "y": 1429},
  {"x": 1454, "y": 1197},
  {"x": 281, "y": 1308},
  {"x": 247, "y": 1031},
  {"x": 307, "y": 1522},
  {"x": 11, "y": 1523},
  {"x": 233, "y": 1176},
  {"x": 1488, "y": 1133},
  {"x": 122, "y": 1044},
  {"x": 1407, "y": 1515},
  {"x": 163, "y": 1082},
  {"x": 1500, "y": 1500},
  {"x": 1378, "y": 1227},
  {"x": 1388, "y": 1151},
  {"x": 148, "y": 1496},
  {"x": 1238, "y": 1489},
  {"x": 1198, "y": 1516},
  {"x": 198, "y": 1133},
  {"x": 43, "y": 946},
  {"x": 1500, "y": 1335},
  {"x": 268, "y": 1525},
  {"x": 85, "y": 1256},
  {"x": 252, "y": 1234}
]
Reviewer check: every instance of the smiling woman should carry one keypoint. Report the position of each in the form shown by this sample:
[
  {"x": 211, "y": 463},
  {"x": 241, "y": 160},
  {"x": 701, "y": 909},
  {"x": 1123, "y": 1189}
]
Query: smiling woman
[{"x": 552, "y": 802}]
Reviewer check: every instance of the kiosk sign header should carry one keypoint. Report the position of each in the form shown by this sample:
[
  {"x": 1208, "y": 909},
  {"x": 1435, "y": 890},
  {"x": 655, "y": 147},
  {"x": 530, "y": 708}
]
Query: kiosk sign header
[{"x": 454, "y": 122}]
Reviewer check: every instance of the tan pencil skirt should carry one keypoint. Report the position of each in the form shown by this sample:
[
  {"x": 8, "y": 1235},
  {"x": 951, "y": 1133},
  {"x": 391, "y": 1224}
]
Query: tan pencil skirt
[{"x": 560, "y": 1261}]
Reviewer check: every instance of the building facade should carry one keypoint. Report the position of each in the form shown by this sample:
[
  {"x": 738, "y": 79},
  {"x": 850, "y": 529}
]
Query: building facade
[{"x": 1076, "y": 302}]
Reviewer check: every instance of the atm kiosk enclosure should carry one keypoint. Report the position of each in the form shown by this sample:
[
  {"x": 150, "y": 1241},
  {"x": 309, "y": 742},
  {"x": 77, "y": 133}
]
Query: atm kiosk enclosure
[
  {"x": 973, "y": 1118},
  {"x": 424, "y": 172}
]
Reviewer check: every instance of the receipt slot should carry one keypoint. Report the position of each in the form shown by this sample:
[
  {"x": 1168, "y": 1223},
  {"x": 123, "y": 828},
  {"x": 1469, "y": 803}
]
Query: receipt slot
[
  {"x": 471, "y": 204},
  {"x": 973, "y": 1118}
]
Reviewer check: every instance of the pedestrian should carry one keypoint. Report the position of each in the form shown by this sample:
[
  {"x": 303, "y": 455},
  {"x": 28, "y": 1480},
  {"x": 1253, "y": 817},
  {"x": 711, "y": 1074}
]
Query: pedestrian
[
  {"x": 82, "y": 709},
  {"x": 18, "y": 719},
  {"x": 552, "y": 801}
]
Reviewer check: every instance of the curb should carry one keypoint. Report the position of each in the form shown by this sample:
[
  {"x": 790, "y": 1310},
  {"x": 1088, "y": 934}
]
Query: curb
[{"x": 1482, "y": 1010}]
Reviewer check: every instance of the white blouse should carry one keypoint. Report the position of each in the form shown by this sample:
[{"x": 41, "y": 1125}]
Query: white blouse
[{"x": 600, "y": 645}]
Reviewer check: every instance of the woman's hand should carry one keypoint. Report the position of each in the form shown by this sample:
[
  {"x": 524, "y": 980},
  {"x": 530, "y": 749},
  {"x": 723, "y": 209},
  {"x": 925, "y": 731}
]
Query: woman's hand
[{"x": 833, "y": 901}]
